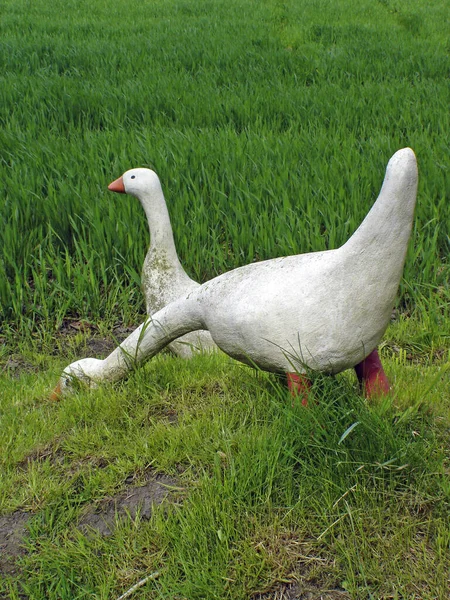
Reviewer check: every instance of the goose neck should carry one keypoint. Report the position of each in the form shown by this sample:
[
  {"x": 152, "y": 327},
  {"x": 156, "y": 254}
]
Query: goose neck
[{"x": 161, "y": 234}]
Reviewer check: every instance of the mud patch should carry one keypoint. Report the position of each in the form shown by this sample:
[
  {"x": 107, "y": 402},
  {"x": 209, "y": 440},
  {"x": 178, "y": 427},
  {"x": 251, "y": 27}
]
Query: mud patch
[
  {"x": 51, "y": 451},
  {"x": 16, "y": 364},
  {"x": 306, "y": 591},
  {"x": 103, "y": 517},
  {"x": 102, "y": 346},
  {"x": 68, "y": 339},
  {"x": 13, "y": 530},
  {"x": 73, "y": 338},
  {"x": 311, "y": 568}
]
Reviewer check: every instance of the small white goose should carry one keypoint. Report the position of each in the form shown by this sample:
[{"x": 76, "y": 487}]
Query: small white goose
[
  {"x": 163, "y": 277},
  {"x": 324, "y": 311}
]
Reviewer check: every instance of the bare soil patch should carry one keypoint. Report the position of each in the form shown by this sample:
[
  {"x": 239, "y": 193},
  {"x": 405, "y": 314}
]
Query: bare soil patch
[
  {"x": 304, "y": 591},
  {"x": 12, "y": 535},
  {"x": 100, "y": 518},
  {"x": 103, "y": 517},
  {"x": 16, "y": 364},
  {"x": 91, "y": 343},
  {"x": 310, "y": 572},
  {"x": 73, "y": 338}
]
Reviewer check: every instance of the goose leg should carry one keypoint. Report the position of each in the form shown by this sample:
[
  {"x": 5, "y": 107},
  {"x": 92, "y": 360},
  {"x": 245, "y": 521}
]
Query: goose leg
[
  {"x": 371, "y": 376},
  {"x": 299, "y": 386}
]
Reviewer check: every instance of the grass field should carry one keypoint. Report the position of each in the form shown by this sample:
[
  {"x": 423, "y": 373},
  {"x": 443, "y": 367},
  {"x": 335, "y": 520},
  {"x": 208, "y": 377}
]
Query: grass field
[{"x": 270, "y": 124}]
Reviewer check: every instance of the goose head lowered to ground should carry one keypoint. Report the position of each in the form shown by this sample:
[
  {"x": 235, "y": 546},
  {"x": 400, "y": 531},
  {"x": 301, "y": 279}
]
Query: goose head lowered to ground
[
  {"x": 163, "y": 277},
  {"x": 325, "y": 311}
]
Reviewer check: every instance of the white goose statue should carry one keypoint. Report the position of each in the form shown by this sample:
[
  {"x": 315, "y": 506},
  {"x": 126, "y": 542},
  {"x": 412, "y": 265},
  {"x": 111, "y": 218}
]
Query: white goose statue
[
  {"x": 163, "y": 277},
  {"x": 325, "y": 311}
]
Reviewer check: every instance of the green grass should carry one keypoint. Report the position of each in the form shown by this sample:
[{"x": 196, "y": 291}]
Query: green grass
[
  {"x": 343, "y": 493},
  {"x": 270, "y": 124}
]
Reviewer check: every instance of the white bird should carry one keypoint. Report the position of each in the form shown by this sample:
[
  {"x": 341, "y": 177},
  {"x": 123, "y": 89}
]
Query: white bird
[
  {"x": 163, "y": 277},
  {"x": 326, "y": 311}
]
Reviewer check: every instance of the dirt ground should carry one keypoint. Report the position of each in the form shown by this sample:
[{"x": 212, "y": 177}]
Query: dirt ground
[
  {"x": 103, "y": 517},
  {"x": 100, "y": 518},
  {"x": 300, "y": 591},
  {"x": 12, "y": 534},
  {"x": 74, "y": 338}
]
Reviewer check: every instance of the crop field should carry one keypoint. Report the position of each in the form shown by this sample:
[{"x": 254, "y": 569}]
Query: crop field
[{"x": 270, "y": 124}]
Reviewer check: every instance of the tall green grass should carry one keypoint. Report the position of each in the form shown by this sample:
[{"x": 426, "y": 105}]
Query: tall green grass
[{"x": 270, "y": 125}]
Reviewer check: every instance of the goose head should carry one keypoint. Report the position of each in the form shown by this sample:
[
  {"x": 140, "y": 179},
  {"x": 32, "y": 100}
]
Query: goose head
[
  {"x": 144, "y": 184},
  {"x": 137, "y": 182},
  {"x": 82, "y": 373}
]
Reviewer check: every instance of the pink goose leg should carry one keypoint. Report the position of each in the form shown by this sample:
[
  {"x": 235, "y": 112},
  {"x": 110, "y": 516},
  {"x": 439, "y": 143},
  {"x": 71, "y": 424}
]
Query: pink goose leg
[
  {"x": 299, "y": 386},
  {"x": 372, "y": 377},
  {"x": 370, "y": 373}
]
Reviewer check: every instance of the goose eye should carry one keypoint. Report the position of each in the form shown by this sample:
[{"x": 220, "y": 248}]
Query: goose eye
[{"x": 133, "y": 177}]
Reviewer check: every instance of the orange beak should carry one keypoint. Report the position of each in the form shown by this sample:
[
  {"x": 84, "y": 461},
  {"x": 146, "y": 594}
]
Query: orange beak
[
  {"x": 55, "y": 396},
  {"x": 117, "y": 186}
]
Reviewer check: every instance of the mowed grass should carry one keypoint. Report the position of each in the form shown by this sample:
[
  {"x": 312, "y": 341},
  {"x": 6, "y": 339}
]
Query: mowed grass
[
  {"x": 270, "y": 124},
  {"x": 342, "y": 496}
]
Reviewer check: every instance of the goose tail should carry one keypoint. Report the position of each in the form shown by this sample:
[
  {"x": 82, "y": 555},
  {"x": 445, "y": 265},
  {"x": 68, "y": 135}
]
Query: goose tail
[{"x": 387, "y": 227}]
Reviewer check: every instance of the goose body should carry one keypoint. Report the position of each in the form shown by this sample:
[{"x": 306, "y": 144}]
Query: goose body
[
  {"x": 324, "y": 311},
  {"x": 163, "y": 277}
]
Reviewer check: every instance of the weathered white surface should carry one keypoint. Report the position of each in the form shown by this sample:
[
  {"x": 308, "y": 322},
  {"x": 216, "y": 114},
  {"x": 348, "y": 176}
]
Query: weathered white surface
[
  {"x": 163, "y": 277},
  {"x": 325, "y": 311}
]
